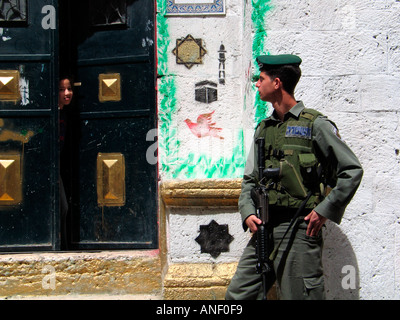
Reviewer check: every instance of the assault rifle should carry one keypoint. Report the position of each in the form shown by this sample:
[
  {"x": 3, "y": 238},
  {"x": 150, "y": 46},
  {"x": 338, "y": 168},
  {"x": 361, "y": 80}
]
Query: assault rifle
[{"x": 259, "y": 195}]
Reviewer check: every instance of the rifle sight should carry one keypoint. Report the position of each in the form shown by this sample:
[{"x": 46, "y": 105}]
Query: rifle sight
[{"x": 272, "y": 173}]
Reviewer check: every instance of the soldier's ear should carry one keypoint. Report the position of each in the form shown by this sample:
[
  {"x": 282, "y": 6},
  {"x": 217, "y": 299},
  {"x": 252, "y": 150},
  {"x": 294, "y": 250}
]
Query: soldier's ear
[{"x": 277, "y": 83}]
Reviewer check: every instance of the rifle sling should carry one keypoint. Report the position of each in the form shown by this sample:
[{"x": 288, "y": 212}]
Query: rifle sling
[{"x": 294, "y": 219}]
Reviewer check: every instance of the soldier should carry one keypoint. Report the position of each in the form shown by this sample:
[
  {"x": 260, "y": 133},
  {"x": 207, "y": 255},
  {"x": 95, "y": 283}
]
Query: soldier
[{"x": 298, "y": 141}]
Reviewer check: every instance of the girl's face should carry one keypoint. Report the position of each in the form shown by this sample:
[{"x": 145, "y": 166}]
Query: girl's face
[{"x": 65, "y": 93}]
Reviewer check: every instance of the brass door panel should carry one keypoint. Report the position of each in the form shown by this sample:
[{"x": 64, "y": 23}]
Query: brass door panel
[
  {"x": 9, "y": 85},
  {"x": 10, "y": 180},
  {"x": 110, "y": 179},
  {"x": 109, "y": 87}
]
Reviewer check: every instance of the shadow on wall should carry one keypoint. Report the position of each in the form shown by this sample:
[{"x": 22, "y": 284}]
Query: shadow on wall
[{"x": 340, "y": 265}]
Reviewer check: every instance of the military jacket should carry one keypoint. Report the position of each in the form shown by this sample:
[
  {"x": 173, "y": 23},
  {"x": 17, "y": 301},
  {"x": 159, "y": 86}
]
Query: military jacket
[{"x": 303, "y": 141}]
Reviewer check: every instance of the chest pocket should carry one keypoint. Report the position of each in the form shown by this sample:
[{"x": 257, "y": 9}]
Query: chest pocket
[
  {"x": 298, "y": 179},
  {"x": 308, "y": 168},
  {"x": 298, "y": 173}
]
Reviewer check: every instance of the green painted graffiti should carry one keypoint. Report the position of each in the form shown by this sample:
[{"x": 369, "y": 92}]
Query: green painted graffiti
[
  {"x": 203, "y": 167},
  {"x": 260, "y": 9},
  {"x": 198, "y": 165},
  {"x": 168, "y": 144}
]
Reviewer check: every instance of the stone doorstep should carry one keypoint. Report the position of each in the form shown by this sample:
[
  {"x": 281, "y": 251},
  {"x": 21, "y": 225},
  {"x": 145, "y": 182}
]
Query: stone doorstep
[
  {"x": 198, "y": 281},
  {"x": 201, "y": 281},
  {"x": 113, "y": 273}
]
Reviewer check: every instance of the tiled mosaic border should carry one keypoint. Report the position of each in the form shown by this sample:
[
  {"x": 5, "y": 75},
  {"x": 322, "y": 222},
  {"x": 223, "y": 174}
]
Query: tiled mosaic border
[{"x": 214, "y": 7}]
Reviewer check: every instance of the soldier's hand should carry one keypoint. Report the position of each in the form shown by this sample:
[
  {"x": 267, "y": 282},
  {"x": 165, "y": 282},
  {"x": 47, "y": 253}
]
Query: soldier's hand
[
  {"x": 252, "y": 222},
  {"x": 315, "y": 223}
]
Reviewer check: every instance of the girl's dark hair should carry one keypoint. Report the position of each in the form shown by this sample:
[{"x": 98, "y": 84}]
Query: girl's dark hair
[
  {"x": 68, "y": 77},
  {"x": 288, "y": 74}
]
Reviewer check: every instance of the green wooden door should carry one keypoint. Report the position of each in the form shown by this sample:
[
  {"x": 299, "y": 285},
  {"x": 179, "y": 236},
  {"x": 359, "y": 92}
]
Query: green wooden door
[
  {"x": 28, "y": 126},
  {"x": 113, "y": 187}
]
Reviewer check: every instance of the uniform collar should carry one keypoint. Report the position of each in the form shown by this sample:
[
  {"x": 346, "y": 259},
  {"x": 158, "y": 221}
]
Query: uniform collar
[
  {"x": 297, "y": 109},
  {"x": 294, "y": 112}
]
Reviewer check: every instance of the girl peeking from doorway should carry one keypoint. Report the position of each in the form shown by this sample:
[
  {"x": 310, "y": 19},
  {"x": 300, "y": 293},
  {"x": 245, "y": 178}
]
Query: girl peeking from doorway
[{"x": 65, "y": 95}]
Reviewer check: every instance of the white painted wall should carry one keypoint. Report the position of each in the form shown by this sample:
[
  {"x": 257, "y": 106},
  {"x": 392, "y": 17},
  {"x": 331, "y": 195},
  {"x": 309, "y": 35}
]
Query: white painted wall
[{"x": 351, "y": 73}]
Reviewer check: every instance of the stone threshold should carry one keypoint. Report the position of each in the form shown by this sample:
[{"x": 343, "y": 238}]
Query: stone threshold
[{"x": 80, "y": 273}]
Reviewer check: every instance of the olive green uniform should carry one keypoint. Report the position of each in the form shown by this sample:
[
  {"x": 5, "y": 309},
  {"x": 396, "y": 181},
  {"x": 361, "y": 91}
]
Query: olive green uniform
[{"x": 297, "y": 264}]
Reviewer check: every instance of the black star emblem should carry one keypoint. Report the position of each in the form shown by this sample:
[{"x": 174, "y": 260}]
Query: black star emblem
[{"x": 214, "y": 238}]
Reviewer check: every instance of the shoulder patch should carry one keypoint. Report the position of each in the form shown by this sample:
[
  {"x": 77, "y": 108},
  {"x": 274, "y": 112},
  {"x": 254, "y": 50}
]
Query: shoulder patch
[
  {"x": 336, "y": 132},
  {"x": 310, "y": 114},
  {"x": 306, "y": 115}
]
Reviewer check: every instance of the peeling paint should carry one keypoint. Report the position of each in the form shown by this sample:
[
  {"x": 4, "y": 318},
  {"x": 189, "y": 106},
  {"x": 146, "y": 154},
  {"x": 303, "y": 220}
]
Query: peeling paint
[
  {"x": 147, "y": 42},
  {"x": 24, "y": 90},
  {"x": 149, "y": 25},
  {"x": 8, "y": 135},
  {"x": 4, "y": 37}
]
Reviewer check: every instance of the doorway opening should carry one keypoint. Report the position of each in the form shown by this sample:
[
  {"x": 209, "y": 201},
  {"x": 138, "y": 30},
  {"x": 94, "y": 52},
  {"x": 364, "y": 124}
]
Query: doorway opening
[{"x": 110, "y": 188}]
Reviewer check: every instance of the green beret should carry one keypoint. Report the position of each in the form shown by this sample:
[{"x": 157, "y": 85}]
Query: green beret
[{"x": 280, "y": 59}]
